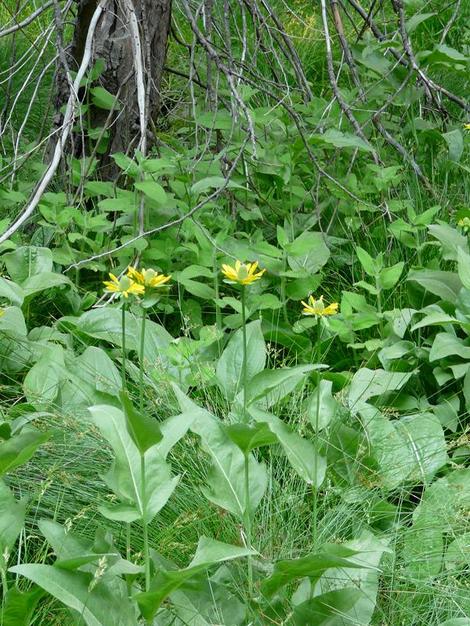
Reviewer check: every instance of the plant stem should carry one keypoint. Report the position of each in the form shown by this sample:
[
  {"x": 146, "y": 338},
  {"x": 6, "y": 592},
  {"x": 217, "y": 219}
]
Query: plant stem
[
  {"x": 315, "y": 458},
  {"x": 141, "y": 360},
  {"x": 123, "y": 330},
  {"x": 218, "y": 311},
  {"x": 244, "y": 368},
  {"x": 247, "y": 521},
  {"x": 145, "y": 526}
]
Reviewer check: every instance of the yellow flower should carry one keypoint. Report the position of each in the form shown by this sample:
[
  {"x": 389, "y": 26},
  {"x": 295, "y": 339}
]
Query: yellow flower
[
  {"x": 147, "y": 278},
  {"x": 242, "y": 273},
  {"x": 466, "y": 126},
  {"x": 317, "y": 308},
  {"x": 123, "y": 287}
]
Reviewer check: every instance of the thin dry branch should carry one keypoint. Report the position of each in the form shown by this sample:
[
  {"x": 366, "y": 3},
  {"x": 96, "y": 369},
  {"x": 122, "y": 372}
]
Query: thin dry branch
[
  {"x": 27, "y": 20},
  {"x": 69, "y": 117}
]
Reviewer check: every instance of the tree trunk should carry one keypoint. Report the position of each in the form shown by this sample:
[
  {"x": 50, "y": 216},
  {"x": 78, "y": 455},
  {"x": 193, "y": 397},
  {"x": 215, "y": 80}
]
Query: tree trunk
[{"x": 113, "y": 44}]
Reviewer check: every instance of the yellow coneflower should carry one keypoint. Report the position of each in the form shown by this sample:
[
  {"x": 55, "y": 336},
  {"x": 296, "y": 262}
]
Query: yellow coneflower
[
  {"x": 147, "y": 278},
  {"x": 318, "y": 308},
  {"x": 242, "y": 273},
  {"x": 124, "y": 286}
]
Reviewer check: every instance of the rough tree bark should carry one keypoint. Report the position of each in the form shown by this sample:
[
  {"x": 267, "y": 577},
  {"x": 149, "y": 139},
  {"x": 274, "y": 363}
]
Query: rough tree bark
[{"x": 113, "y": 44}]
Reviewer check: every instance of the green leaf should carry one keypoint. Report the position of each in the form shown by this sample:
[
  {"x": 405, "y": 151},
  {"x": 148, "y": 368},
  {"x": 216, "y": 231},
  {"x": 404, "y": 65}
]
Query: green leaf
[
  {"x": 451, "y": 240},
  {"x": 42, "y": 383},
  {"x": 438, "y": 516},
  {"x": 369, "y": 265},
  {"x": 229, "y": 367},
  {"x": 27, "y": 261},
  {"x": 153, "y": 190},
  {"x": 100, "y": 607},
  {"x": 144, "y": 430},
  {"x": 301, "y": 453},
  {"x": 43, "y": 281},
  {"x": 20, "y": 448},
  {"x": 326, "y": 609},
  {"x": 213, "y": 182},
  {"x": 321, "y": 407},
  {"x": 20, "y": 606},
  {"x": 463, "y": 259},
  {"x": 389, "y": 276},
  {"x": 454, "y": 141},
  {"x": 12, "y": 516},
  {"x": 411, "y": 449},
  {"x": 415, "y": 20},
  {"x": 343, "y": 140},
  {"x": 225, "y": 483},
  {"x": 308, "y": 253},
  {"x": 312, "y": 565},
  {"x": 270, "y": 386},
  {"x": 247, "y": 438},
  {"x": 445, "y": 285},
  {"x": 209, "y": 552},
  {"x": 446, "y": 344},
  {"x": 11, "y": 291},
  {"x": 125, "y": 475},
  {"x": 367, "y": 383},
  {"x": 103, "y": 99}
]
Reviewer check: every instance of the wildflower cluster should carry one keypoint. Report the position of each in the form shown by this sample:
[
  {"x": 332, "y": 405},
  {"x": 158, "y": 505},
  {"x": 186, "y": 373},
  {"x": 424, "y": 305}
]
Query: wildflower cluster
[{"x": 135, "y": 282}]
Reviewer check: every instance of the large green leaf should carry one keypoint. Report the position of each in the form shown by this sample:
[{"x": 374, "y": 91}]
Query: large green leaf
[
  {"x": 229, "y": 366},
  {"x": 42, "y": 383},
  {"x": 19, "y": 606},
  {"x": 102, "y": 606},
  {"x": 20, "y": 448},
  {"x": 412, "y": 448},
  {"x": 270, "y": 386},
  {"x": 308, "y": 253},
  {"x": 12, "y": 515},
  {"x": 209, "y": 552},
  {"x": 125, "y": 475},
  {"x": 225, "y": 483},
  {"x": 370, "y": 551},
  {"x": 445, "y": 285},
  {"x": 312, "y": 565},
  {"x": 321, "y": 407},
  {"x": 301, "y": 453},
  {"x": 27, "y": 261},
  {"x": 439, "y": 515},
  {"x": 368, "y": 383},
  {"x": 327, "y": 609}
]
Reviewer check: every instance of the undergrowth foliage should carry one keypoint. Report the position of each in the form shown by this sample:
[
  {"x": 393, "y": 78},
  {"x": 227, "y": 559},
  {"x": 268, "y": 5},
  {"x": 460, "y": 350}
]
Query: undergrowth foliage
[{"x": 234, "y": 376}]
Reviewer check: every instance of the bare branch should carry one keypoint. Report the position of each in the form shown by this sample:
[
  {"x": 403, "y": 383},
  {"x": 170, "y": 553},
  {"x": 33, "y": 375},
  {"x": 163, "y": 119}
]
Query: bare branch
[{"x": 69, "y": 117}]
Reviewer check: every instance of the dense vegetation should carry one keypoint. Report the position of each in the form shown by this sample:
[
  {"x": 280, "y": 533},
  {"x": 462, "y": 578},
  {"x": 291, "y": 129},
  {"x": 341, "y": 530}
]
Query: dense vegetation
[{"x": 234, "y": 365}]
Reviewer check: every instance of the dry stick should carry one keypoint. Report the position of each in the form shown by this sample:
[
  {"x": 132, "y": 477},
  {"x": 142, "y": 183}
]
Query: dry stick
[
  {"x": 175, "y": 222},
  {"x": 450, "y": 23},
  {"x": 141, "y": 95},
  {"x": 27, "y": 20},
  {"x": 344, "y": 44},
  {"x": 334, "y": 85},
  {"x": 294, "y": 57},
  {"x": 69, "y": 117},
  {"x": 225, "y": 70},
  {"x": 431, "y": 85},
  {"x": 394, "y": 142}
]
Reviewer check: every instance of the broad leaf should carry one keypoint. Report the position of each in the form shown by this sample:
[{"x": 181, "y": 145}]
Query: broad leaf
[{"x": 229, "y": 367}]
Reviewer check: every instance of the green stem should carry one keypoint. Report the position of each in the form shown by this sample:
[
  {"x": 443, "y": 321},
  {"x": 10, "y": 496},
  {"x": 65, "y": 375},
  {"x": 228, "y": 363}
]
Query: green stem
[
  {"x": 145, "y": 526},
  {"x": 247, "y": 522},
  {"x": 315, "y": 458},
  {"x": 4, "y": 583},
  {"x": 218, "y": 311},
  {"x": 123, "y": 329},
  {"x": 244, "y": 368},
  {"x": 141, "y": 361}
]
